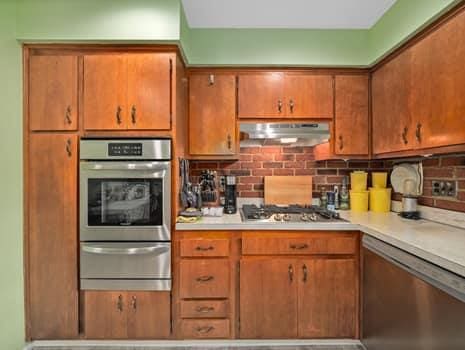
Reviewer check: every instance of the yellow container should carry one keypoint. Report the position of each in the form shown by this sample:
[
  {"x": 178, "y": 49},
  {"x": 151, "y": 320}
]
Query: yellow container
[
  {"x": 380, "y": 200},
  {"x": 359, "y": 201},
  {"x": 379, "y": 180},
  {"x": 358, "y": 181}
]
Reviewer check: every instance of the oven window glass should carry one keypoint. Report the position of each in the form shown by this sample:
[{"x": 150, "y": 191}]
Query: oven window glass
[{"x": 125, "y": 202}]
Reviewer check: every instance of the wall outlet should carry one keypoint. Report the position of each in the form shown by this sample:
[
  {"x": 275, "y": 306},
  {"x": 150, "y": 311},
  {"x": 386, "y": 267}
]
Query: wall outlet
[{"x": 443, "y": 188}]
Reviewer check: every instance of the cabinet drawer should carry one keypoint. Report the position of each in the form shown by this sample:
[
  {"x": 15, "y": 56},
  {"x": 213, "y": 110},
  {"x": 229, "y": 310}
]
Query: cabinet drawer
[
  {"x": 299, "y": 245},
  {"x": 205, "y": 329},
  {"x": 204, "y": 278},
  {"x": 200, "y": 247},
  {"x": 204, "y": 308}
]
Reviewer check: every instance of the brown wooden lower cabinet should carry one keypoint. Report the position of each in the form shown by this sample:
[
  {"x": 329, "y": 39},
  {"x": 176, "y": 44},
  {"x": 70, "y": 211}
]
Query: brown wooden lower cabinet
[
  {"x": 126, "y": 315},
  {"x": 303, "y": 297}
]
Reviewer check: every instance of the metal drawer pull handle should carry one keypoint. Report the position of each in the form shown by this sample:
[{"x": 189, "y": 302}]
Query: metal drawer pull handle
[
  {"x": 305, "y": 271},
  {"x": 68, "y": 147},
  {"x": 205, "y": 278},
  {"x": 299, "y": 246},
  {"x": 229, "y": 141},
  {"x": 291, "y": 105},
  {"x": 203, "y": 249},
  {"x": 119, "y": 304},
  {"x": 418, "y": 132},
  {"x": 341, "y": 142},
  {"x": 205, "y": 309},
  {"x": 290, "y": 271},
  {"x": 68, "y": 115},
  {"x": 133, "y": 114},
  {"x": 205, "y": 330},
  {"x": 134, "y": 302},
  {"x": 126, "y": 251},
  {"x": 404, "y": 135},
  {"x": 118, "y": 114},
  {"x": 280, "y": 106}
]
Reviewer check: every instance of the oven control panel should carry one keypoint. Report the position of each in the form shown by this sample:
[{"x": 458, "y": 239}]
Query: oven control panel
[{"x": 116, "y": 149}]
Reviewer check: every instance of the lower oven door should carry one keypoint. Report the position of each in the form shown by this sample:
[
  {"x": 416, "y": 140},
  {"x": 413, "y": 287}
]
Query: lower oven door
[{"x": 126, "y": 265}]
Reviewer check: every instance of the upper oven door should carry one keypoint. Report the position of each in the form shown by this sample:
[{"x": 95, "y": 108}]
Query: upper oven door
[{"x": 125, "y": 201}]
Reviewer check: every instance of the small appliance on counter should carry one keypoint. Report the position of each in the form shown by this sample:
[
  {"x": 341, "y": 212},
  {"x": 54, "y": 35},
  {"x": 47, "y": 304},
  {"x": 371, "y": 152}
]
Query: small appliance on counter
[
  {"x": 407, "y": 179},
  {"x": 230, "y": 195}
]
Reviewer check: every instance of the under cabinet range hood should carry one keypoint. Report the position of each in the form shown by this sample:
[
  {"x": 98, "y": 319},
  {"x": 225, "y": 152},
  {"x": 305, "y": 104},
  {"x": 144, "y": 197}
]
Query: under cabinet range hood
[{"x": 292, "y": 134}]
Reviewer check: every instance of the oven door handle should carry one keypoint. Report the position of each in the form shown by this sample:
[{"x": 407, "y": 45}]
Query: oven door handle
[
  {"x": 156, "y": 249},
  {"x": 126, "y": 165}
]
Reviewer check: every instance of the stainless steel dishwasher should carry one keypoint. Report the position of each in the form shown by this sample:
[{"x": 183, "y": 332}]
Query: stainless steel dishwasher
[{"x": 409, "y": 303}]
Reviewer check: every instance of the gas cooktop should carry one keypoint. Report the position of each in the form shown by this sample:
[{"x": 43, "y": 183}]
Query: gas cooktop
[{"x": 291, "y": 213}]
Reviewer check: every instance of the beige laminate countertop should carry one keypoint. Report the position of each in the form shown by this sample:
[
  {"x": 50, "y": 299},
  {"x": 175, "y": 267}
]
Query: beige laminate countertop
[{"x": 440, "y": 244}]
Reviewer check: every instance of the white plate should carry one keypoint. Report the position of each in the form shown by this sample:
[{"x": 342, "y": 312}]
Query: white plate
[{"x": 404, "y": 172}]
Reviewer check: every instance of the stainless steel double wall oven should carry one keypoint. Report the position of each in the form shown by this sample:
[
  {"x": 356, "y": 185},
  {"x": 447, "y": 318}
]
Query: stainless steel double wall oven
[{"x": 125, "y": 228}]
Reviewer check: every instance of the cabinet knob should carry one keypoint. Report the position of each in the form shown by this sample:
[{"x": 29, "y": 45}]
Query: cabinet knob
[
  {"x": 341, "y": 143},
  {"x": 211, "y": 79},
  {"x": 68, "y": 148},
  {"x": 280, "y": 106},
  {"x": 305, "y": 273},
  {"x": 133, "y": 114},
  {"x": 119, "y": 304},
  {"x": 291, "y": 105},
  {"x": 205, "y": 278},
  {"x": 290, "y": 272},
  {"x": 229, "y": 141},
  {"x": 418, "y": 132},
  {"x": 118, "y": 114},
  {"x": 404, "y": 135},
  {"x": 134, "y": 302},
  {"x": 68, "y": 115}
]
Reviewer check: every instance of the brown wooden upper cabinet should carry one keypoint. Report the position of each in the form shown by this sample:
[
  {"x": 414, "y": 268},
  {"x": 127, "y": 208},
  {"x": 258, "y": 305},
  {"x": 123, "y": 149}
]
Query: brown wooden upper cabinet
[
  {"x": 52, "y": 236},
  {"x": 351, "y": 115},
  {"x": 285, "y": 95},
  {"x": 418, "y": 96},
  {"x": 127, "y": 91},
  {"x": 53, "y": 93},
  {"x": 212, "y": 115},
  {"x": 392, "y": 123}
]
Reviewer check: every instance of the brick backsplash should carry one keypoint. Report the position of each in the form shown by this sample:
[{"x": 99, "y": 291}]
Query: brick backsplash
[
  {"x": 256, "y": 162},
  {"x": 447, "y": 168}
]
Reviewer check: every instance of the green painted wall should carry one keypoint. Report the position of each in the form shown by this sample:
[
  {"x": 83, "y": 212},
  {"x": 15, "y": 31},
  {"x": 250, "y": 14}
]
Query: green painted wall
[
  {"x": 99, "y": 20},
  {"x": 11, "y": 263},
  {"x": 289, "y": 47},
  {"x": 403, "y": 20}
]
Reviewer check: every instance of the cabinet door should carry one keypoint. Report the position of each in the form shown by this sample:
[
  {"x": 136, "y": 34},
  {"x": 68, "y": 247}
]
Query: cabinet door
[
  {"x": 261, "y": 95},
  {"x": 327, "y": 298},
  {"x": 149, "y": 315},
  {"x": 445, "y": 125},
  {"x": 309, "y": 96},
  {"x": 52, "y": 236},
  {"x": 212, "y": 114},
  {"x": 268, "y": 298},
  {"x": 105, "y": 92},
  {"x": 351, "y": 120},
  {"x": 53, "y": 91},
  {"x": 105, "y": 315},
  {"x": 149, "y": 91}
]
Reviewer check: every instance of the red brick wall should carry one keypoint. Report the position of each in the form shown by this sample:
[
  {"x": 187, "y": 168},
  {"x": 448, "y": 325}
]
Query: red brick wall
[
  {"x": 443, "y": 168},
  {"x": 256, "y": 162}
]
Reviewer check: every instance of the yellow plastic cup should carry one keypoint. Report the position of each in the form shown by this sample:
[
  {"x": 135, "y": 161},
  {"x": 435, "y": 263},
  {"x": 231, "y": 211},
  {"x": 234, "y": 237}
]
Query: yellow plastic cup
[
  {"x": 359, "y": 201},
  {"x": 379, "y": 180},
  {"x": 358, "y": 181},
  {"x": 380, "y": 200}
]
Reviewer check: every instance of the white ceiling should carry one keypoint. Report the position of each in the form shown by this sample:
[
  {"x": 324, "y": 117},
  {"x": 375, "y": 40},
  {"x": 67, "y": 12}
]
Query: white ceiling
[{"x": 308, "y": 14}]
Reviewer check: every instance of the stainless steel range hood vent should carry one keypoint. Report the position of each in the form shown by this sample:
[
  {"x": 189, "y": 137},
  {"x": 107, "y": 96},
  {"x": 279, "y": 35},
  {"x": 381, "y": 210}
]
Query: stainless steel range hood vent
[{"x": 292, "y": 134}]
